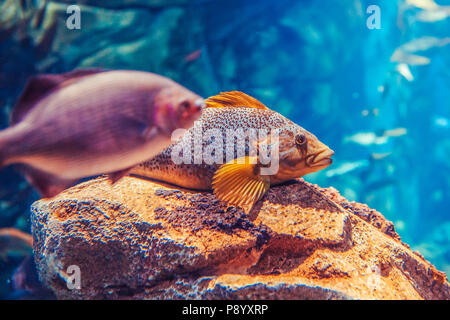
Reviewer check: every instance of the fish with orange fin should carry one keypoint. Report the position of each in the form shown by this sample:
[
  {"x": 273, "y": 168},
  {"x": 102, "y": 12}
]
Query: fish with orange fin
[
  {"x": 238, "y": 178},
  {"x": 89, "y": 122}
]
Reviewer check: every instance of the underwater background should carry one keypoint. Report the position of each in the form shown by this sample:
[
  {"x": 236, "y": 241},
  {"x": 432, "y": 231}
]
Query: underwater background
[{"x": 370, "y": 78}]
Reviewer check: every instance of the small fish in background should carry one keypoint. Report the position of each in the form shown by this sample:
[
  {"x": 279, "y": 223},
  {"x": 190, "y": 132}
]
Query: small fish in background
[
  {"x": 425, "y": 43},
  {"x": 441, "y": 122},
  {"x": 409, "y": 59},
  {"x": 347, "y": 167},
  {"x": 434, "y": 15},
  {"x": 89, "y": 122},
  {"x": 406, "y": 55},
  {"x": 380, "y": 156},
  {"x": 240, "y": 181},
  {"x": 14, "y": 242},
  {"x": 371, "y": 138},
  {"x": 423, "y": 4},
  {"x": 194, "y": 55},
  {"x": 366, "y": 138},
  {"x": 397, "y": 132},
  {"x": 431, "y": 11}
]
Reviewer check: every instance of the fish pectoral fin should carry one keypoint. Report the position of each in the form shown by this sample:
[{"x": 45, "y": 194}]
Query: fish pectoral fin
[
  {"x": 238, "y": 183},
  {"x": 47, "y": 184},
  {"x": 113, "y": 177},
  {"x": 233, "y": 99}
]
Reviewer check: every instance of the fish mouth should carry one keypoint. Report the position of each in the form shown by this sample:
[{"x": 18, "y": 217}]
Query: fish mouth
[{"x": 321, "y": 159}]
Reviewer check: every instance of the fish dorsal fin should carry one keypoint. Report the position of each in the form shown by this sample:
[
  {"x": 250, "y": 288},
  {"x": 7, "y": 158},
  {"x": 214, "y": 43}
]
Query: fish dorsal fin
[
  {"x": 237, "y": 183},
  {"x": 39, "y": 86},
  {"x": 233, "y": 99}
]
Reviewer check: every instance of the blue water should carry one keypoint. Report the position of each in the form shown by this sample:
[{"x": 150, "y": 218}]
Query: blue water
[{"x": 327, "y": 65}]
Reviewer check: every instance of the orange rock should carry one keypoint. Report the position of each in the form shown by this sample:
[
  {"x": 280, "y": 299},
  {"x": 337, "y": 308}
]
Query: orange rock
[{"x": 140, "y": 240}]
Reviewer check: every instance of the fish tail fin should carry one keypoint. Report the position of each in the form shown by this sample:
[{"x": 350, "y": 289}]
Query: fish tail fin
[
  {"x": 9, "y": 144},
  {"x": 47, "y": 184},
  {"x": 12, "y": 143}
]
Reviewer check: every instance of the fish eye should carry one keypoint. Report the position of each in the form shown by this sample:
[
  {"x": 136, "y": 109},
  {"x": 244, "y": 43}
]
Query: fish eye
[
  {"x": 300, "y": 139},
  {"x": 184, "y": 105}
]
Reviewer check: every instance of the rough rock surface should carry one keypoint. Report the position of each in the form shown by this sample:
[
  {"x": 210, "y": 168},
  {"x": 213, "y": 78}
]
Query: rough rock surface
[{"x": 140, "y": 240}]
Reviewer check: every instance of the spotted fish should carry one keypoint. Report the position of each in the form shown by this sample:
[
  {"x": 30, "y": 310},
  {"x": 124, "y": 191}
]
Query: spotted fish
[{"x": 243, "y": 179}]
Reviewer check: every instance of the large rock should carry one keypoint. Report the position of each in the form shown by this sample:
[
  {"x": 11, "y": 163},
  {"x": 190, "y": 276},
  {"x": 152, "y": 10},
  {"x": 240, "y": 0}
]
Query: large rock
[{"x": 141, "y": 240}]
